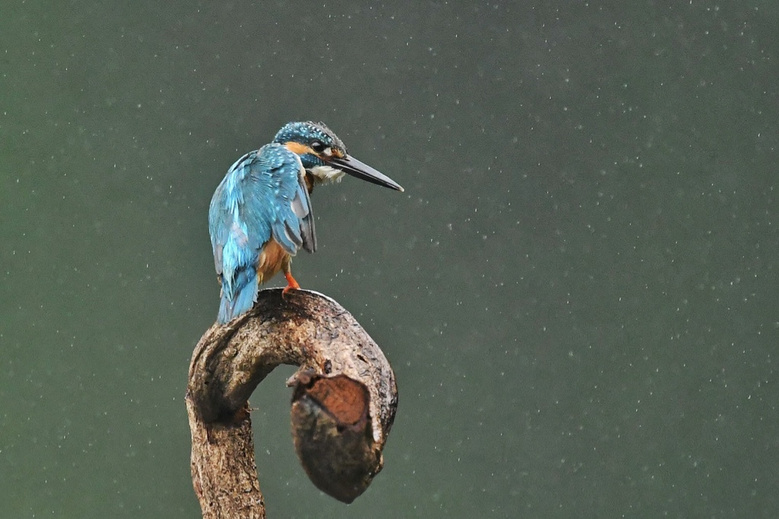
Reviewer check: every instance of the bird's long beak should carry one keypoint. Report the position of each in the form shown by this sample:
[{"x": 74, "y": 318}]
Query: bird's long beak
[{"x": 355, "y": 168}]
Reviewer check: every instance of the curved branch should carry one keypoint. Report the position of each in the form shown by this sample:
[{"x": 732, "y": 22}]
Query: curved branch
[{"x": 343, "y": 406}]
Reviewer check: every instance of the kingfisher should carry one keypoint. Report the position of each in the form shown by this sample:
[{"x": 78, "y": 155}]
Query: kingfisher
[{"x": 260, "y": 214}]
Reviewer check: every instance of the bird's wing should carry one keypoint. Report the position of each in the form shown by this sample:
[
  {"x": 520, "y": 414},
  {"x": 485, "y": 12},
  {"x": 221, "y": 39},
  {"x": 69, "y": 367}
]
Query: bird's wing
[{"x": 263, "y": 195}]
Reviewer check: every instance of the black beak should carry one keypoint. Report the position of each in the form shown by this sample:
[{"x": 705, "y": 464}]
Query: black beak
[{"x": 355, "y": 168}]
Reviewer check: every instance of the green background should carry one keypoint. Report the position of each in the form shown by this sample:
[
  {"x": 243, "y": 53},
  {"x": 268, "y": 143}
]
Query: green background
[{"x": 577, "y": 291}]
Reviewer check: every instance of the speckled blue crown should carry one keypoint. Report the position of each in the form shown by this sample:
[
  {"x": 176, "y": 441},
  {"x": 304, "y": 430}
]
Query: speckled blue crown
[{"x": 307, "y": 132}]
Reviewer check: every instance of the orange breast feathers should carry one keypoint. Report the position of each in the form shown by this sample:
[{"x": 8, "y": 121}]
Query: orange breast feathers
[{"x": 272, "y": 259}]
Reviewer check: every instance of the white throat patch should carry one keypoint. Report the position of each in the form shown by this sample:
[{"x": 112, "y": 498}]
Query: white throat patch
[{"x": 326, "y": 174}]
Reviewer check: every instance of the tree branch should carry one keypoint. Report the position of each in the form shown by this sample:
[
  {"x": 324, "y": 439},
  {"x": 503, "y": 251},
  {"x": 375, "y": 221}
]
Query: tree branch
[{"x": 343, "y": 405}]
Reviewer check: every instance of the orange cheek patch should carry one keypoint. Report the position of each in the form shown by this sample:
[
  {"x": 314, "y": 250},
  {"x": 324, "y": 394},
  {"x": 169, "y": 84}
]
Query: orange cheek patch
[{"x": 296, "y": 147}]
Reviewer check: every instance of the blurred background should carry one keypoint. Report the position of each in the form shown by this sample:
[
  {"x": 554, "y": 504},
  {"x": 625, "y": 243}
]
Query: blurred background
[{"x": 577, "y": 291}]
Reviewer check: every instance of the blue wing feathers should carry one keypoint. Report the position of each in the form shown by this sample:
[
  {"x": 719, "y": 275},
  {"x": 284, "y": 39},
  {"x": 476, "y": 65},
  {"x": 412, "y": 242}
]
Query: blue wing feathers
[
  {"x": 301, "y": 205},
  {"x": 241, "y": 301},
  {"x": 259, "y": 198}
]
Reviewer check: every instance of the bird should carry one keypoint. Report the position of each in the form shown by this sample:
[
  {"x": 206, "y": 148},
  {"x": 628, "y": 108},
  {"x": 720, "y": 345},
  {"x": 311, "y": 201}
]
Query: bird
[{"x": 260, "y": 214}]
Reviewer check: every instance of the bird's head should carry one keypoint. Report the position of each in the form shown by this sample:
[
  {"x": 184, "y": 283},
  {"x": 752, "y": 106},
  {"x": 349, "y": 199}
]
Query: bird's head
[{"x": 324, "y": 155}]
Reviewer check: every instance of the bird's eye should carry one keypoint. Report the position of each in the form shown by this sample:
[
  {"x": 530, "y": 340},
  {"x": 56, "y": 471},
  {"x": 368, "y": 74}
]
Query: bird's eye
[{"x": 317, "y": 146}]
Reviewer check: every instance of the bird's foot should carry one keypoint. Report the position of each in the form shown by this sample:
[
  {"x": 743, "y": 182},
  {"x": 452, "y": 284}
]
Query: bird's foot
[{"x": 291, "y": 284}]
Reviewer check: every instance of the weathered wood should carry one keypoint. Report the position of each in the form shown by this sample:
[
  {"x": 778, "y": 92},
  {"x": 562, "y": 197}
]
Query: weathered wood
[{"x": 343, "y": 406}]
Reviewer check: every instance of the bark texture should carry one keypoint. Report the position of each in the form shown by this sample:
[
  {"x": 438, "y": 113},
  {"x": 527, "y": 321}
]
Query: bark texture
[{"x": 343, "y": 405}]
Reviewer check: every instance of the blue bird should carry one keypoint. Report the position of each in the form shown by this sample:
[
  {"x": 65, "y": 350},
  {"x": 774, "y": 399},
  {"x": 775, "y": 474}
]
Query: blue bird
[{"x": 260, "y": 214}]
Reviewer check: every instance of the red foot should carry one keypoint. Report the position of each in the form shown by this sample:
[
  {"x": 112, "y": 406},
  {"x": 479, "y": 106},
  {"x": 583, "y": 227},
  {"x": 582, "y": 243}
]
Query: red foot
[{"x": 291, "y": 284}]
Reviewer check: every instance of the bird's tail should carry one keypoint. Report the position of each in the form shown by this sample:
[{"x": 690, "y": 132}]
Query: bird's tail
[{"x": 239, "y": 296}]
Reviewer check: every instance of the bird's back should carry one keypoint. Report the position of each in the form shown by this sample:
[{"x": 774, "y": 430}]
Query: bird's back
[{"x": 262, "y": 197}]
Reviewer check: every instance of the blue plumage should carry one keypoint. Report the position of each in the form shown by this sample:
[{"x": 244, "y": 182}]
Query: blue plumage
[
  {"x": 260, "y": 214},
  {"x": 240, "y": 301},
  {"x": 263, "y": 196}
]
